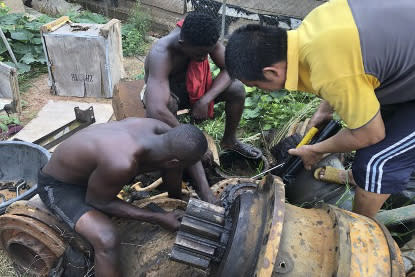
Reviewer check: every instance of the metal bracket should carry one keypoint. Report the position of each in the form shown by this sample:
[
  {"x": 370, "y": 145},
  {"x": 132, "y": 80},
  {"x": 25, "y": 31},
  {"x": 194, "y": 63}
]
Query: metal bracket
[{"x": 83, "y": 118}]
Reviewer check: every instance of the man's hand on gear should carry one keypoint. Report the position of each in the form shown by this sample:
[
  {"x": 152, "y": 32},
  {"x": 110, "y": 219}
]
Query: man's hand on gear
[
  {"x": 200, "y": 110},
  {"x": 308, "y": 155}
]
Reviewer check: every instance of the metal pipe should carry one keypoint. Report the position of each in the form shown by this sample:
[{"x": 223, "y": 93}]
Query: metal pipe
[
  {"x": 9, "y": 49},
  {"x": 397, "y": 216},
  {"x": 222, "y": 35}
]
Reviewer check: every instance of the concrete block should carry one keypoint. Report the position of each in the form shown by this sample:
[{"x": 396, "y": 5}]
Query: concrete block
[
  {"x": 177, "y": 6},
  {"x": 55, "y": 114},
  {"x": 16, "y": 6},
  {"x": 126, "y": 101}
]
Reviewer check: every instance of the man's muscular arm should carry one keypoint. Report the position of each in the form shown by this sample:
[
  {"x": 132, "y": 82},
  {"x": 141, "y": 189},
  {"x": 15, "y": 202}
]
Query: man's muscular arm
[
  {"x": 106, "y": 182},
  {"x": 222, "y": 81},
  {"x": 157, "y": 92}
]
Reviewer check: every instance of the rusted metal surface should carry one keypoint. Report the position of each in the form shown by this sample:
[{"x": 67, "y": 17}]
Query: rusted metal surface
[
  {"x": 275, "y": 220},
  {"x": 220, "y": 186},
  {"x": 36, "y": 210},
  {"x": 32, "y": 245}
]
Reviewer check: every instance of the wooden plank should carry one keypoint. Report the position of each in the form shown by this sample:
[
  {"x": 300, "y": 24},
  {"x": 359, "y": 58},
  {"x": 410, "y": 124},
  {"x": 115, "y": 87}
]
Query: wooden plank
[{"x": 126, "y": 101}]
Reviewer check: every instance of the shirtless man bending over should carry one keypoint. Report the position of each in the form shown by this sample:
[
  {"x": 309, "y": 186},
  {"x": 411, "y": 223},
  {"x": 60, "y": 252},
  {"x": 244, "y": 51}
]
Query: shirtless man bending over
[{"x": 81, "y": 181}]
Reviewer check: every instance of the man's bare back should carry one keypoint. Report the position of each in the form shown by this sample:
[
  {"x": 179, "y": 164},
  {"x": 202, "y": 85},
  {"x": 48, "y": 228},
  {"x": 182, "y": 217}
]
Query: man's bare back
[{"x": 76, "y": 158}]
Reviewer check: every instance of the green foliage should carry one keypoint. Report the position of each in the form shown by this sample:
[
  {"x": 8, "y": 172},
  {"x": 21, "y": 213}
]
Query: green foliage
[
  {"x": 7, "y": 120},
  {"x": 266, "y": 110},
  {"x": 134, "y": 32},
  {"x": 24, "y": 38},
  {"x": 87, "y": 17},
  {"x": 3, "y": 9}
]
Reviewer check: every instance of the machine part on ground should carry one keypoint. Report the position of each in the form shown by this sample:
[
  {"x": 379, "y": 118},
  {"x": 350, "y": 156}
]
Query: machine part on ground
[
  {"x": 33, "y": 246},
  {"x": 294, "y": 164},
  {"x": 83, "y": 118},
  {"x": 268, "y": 237},
  {"x": 219, "y": 187},
  {"x": 307, "y": 192},
  {"x": 202, "y": 236},
  {"x": 30, "y": 238},
  {"x": 21, "y": 160},
  {"x": 397, "y": 216}
]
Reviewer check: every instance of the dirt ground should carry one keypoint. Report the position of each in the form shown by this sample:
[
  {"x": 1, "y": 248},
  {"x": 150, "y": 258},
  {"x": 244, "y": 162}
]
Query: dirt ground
[{"x": 36, "y": 97}]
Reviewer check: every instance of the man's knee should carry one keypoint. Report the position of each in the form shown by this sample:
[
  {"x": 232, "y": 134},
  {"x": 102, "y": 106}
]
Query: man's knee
[
  {"x": 106, "y": 240},
  {"x": 235, "y": 92},
  {"x": 239, "y": 89}
]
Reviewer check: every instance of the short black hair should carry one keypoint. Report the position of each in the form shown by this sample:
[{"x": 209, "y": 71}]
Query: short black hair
[
  {"x": 253, "y": 47},
  {"x": 187, "y": 142},
  {"x": 200, "y": 29}
]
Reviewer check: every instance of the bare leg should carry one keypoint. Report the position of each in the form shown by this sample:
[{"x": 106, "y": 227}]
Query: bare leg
[
  {"x": 234, "y": 98},
  {"x": 368, "y": 203},
  {"x": 99, "y": 230}
]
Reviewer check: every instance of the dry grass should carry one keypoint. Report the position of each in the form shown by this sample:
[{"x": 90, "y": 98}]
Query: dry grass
[{"x": 6, "y": 267}]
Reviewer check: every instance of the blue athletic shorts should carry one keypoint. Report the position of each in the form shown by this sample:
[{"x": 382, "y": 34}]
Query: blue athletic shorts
[{"x": 385, "y": 167}]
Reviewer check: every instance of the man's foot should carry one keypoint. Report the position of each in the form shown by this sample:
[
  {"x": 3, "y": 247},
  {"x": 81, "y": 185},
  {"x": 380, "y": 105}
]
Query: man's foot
[
  {"x": 333, "y": 175},
  {"x": 244, "y": 149}
]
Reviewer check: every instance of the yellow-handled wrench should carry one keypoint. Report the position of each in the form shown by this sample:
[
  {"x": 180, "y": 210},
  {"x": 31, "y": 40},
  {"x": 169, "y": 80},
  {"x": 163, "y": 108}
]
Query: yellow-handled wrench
[{"x": 306, "y": 140}]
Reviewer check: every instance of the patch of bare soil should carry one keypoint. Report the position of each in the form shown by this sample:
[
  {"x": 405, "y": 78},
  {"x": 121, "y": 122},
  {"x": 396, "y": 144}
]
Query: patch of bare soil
[{"x": 134, "y": 67}]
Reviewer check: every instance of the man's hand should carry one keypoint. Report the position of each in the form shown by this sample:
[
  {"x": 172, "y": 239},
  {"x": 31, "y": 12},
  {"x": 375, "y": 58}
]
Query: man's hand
[
  {"x": 308, "y": 155},
  {"x": 170, "y": 221},
  {"x": 200, "y": 110},
  {"x": 323, "y": 114}
]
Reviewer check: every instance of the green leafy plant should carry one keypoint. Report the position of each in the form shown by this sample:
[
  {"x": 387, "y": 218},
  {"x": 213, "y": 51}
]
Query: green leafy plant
[
  {"x": 24, "y": 38},
  {"x": 266, "y": 110},
  {"x": 5, "y": 121},
  {"x": 134, "y": 32},
  {"x": 3, "y": 9}
]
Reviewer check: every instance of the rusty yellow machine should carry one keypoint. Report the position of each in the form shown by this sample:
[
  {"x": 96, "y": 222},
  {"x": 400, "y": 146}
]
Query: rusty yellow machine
[{"x": 255, "y": 233}]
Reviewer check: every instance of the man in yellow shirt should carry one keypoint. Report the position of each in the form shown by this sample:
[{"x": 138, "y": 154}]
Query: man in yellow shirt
[{"x": 359, "y": 57}]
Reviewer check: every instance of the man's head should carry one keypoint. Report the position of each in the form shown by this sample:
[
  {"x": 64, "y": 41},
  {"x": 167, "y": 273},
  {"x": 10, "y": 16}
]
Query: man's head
[
  {"x": 257, "y": 55},
  {"x": 186, "y": 145},
  {"x": 199, "y": 35}
]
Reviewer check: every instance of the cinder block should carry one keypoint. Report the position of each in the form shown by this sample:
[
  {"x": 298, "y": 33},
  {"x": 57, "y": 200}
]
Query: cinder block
[{"x": 126, "y": 101}]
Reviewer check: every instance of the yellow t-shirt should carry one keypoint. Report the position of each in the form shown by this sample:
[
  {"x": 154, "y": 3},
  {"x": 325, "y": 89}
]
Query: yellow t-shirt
[{"x": 324, "y": 57}]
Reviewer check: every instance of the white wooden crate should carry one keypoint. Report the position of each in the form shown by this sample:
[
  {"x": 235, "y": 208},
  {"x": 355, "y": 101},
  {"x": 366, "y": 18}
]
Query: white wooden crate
[{"x": 84, "y": 60}]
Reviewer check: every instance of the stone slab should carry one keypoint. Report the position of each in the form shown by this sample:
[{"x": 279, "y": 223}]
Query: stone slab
[
  {"x": 126, "y": 101},
  {"x": 55, "y": 114},
  {"x": 16, "y": 6}
]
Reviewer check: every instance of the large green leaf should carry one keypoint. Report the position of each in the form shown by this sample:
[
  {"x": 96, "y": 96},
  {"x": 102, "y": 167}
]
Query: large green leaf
[
  {"x": 33, "y": 26},
  {"x": 22, "y": 35},
  {"x": 28, "y": 59},
  {"x": 21, "y": 48},
  {"x": 36, "y": 40},
  {"x": 10, "y": 19},
  {"x": 21, "y": 67}
]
